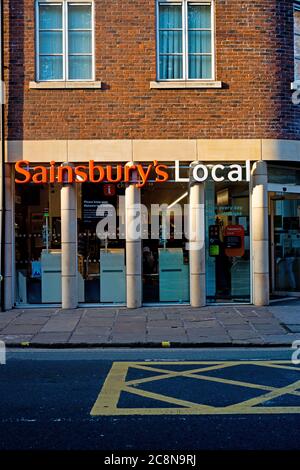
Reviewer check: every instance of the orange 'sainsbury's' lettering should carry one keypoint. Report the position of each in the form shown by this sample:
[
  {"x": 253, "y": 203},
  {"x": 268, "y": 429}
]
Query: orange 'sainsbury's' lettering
[
  {"x": 65, "y": 174},
  {"x": 23, "y": 171},
  {"x": 127, "y": 170},
  {"x": 92, "y": 169},
  {"x": 135, "y": 174},
  {"x": 118, "y": 177},
  {"x": 40, "y": 175},
  {"x": 81, "y": 173},
  {"x": 143, "y": 174},
  {"x": 52, "y": 172},
  {"x": 162, "y": 176}
]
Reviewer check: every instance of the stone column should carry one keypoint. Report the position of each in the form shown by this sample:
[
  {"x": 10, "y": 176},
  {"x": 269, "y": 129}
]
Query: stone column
[
  {"x": 133, "y": 247},
  {"x": 69, "y": 246},
  {"x": 9, "y": 239},
  {"x": 197, "y": 244},
  {"x": 260, "y": 233}
]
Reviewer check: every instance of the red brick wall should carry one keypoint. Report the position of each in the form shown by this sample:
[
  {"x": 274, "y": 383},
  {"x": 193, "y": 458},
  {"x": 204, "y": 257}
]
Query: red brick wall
[{"x": 254, "y": 41}]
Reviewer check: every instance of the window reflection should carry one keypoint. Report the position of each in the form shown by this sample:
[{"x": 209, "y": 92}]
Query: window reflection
[
  {"x": 101, "y": 262},
  {"x": 227, "y": 242},
  {"x": 38, "y": 244}
]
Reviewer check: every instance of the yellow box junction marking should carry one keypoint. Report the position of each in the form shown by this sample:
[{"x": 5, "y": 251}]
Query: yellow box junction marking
[{"x": 116, "y": 383}]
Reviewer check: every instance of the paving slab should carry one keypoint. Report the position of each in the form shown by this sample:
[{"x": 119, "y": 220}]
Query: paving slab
[
  {"x": 3, "y": 324},
  {"x": 174, "y": 315},
  {"x": 205, "y": 318},
  {"x": 163, "y": 329},
  {"x": 270, "y": 329},
  {"x": 245, "y": 309},
  {"x": 156, "y": 316},
  {"x": 100, "y": 312},
  {"x": 62, "y": 325},
  {"x": 164, "y": 323},
  {"x": 234, "y": 321},
  {"x": 129, "y": 324},
  {"x": 129, "y": 328},
  {"x": 128, "y": 319},
  {"x": 131, "y": 313},
  {"x": 286, "y": 316},
  {"x": 228, "y": 316},
  {"x": 203, "y": 335},
  {"x": 244, "y": 327},
  {"x": 96, "y": 322},
  {"x": 265, "y": 314},
  {"x": 11, "y": 315},
  {"x": 51, "y": 338},
  {"x": 20, "y": 329},
  {"x": 243, "y": 334},
  {"x": 264, "y": 321},
  {"x": 91, "y": 331},
  {"x": 205, "y": 332},
  {"x": 25, "y": 320},
  {"x": 202, "y": 324},
  {"x": 33, "y": 313},
  {"x": 99, "y": 317},
  {"x": 248, "y": 314},
  {"x": 71, "y": 311}
]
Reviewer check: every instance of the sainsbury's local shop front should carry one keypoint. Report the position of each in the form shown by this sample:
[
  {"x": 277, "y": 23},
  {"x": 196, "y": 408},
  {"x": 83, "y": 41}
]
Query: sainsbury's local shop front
[{"x": 133, "y": 234}]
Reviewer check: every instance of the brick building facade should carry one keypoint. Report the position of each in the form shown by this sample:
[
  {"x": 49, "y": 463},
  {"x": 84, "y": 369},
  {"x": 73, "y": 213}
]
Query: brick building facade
[
  {"x": 208, "y": 81},
  {"x": 254, "y": 60}
]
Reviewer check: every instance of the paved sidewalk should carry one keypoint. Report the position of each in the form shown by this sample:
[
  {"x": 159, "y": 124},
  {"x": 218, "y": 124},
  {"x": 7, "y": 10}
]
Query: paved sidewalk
[{"x": 181, "y": 326}]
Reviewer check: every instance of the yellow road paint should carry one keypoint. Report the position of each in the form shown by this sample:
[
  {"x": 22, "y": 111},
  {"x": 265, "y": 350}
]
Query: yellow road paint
[{"x": 115, "y": 383}]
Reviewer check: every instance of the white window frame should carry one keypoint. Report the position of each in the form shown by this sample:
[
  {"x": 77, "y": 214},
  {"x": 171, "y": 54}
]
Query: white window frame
[
  {"x": 185, "y": 66},
  {"x": 64, "y": 4},
  {"x": 296, "y": 58}
]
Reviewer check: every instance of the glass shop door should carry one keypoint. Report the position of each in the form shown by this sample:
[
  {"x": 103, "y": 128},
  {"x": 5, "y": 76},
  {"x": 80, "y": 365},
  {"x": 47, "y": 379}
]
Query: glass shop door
[{"x": 285, "y": 243}]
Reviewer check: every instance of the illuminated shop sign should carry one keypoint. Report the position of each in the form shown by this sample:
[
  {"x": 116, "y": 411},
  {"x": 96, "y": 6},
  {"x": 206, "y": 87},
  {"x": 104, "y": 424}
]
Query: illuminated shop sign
[{"x": 139, "y": 173}]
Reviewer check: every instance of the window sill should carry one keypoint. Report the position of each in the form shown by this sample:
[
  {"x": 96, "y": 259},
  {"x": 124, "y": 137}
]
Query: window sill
[
  {"x": 185, "y": 84},
  {"x": 63, "y": 85}
]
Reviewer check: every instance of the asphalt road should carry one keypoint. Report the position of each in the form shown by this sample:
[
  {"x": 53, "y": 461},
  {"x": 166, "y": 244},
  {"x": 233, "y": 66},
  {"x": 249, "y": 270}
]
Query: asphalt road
[{"x": 47, "y": 398}]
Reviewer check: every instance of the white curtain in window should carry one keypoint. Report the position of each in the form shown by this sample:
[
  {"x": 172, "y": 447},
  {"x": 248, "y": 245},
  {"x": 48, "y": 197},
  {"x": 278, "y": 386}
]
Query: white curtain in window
[
  {"x": 50, "y": 17},
  {"x": 199, "y": 41},
  {"x": 80, "y": 41},
  {"x": 170, "y": 41},
  {"x": 51, "y": 68},
  {"x": 50, "y": 42},
  {"x": 80, "y": 67}
]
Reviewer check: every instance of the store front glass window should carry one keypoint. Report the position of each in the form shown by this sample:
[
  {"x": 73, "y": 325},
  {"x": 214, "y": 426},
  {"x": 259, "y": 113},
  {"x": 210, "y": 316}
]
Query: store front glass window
[
  {"x": 101, "y": 245},
  {"x": 285, "y": 221},
  {"x": 38, "y": 244},
  {"x": 165, "y": 257},
  {"x": 227, "y": 241},
  {"x": 283, "y": 175}
]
